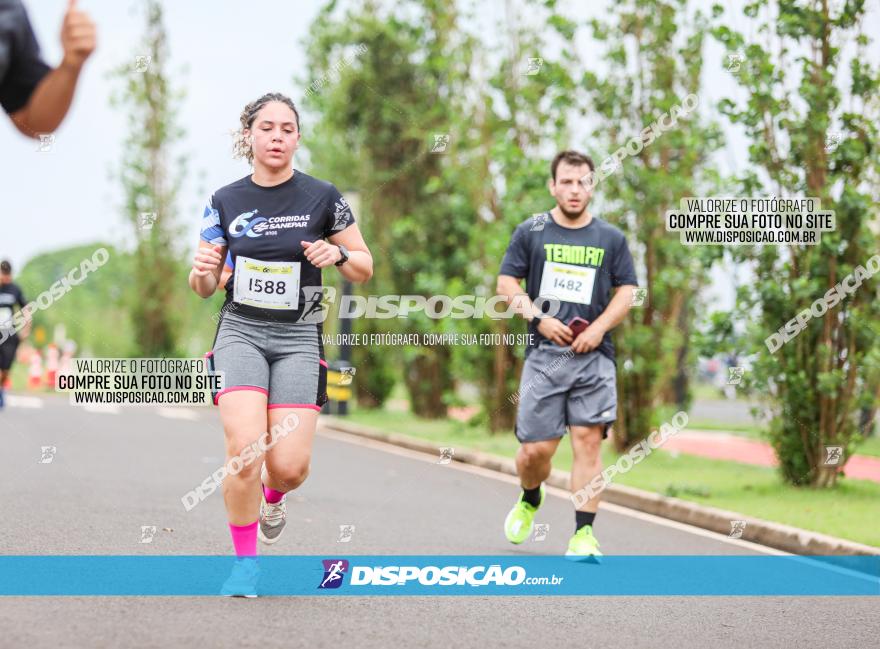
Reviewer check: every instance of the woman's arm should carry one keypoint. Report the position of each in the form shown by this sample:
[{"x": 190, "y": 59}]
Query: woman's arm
[
  {"x": 358, "y": 268},
  {"x": 207, "y": 266}
]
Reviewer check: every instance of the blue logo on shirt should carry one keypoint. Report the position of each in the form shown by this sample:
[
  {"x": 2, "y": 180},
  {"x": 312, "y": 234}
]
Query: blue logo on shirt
[{"x": 247, "y": 224}]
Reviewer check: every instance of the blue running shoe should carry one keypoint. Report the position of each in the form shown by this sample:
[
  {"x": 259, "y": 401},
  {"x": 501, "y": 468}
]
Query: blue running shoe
[{"x": 242, "y": 582}]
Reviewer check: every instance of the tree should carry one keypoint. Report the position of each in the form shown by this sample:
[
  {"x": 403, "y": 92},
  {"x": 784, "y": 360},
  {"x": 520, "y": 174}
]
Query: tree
[
  {"x": 811, "y": 113},
  {"x": 645, "y": 103},
  {"x": 519, "y": 117},
  {"x": 149, "y": 187},
  {"x": 392, "y": 112}
]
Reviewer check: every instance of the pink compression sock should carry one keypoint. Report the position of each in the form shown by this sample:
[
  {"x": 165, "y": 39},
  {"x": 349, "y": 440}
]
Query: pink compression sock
[
  {"x": 272, "y": 496},
  {"x": 244, "y": 538}
]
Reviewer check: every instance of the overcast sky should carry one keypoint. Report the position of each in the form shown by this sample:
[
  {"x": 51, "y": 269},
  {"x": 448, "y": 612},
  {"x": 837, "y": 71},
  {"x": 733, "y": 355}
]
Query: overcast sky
[{"x": 232, "y": 55}]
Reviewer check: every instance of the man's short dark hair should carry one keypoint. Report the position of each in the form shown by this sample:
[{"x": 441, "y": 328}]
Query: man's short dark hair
[
  {"x": 5, "y": 267},
  {"x": 574, "y": 158}
]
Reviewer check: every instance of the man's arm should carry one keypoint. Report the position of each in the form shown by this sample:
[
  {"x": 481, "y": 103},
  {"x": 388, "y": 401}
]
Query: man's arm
[
  {"x": 28, "y": 321},
  {"x": 511, "y": 289},
  {"x": 550, "y": 328},
  {"x": 613, "y": 315},
  {"x": 51, "y": 99}
]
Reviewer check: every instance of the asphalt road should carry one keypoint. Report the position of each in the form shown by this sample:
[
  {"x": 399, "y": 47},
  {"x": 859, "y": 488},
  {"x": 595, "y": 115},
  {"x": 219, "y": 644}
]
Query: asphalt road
[{"x": 113, "y": 472}]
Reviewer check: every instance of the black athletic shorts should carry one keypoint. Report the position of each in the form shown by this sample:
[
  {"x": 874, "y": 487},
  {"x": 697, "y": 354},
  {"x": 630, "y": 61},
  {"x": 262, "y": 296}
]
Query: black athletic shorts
[{"x": 7, "y": 352}]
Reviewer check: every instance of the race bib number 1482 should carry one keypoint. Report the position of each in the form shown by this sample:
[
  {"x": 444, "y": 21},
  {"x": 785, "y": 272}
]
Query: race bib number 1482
[{"x": 567, "y": 283}]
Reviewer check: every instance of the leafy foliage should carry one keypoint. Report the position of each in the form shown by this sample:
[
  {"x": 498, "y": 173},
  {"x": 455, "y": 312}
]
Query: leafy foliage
[{"x": 811, "y": 116}]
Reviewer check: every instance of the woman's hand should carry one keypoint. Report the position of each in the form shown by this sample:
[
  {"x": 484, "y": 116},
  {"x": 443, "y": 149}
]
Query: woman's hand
[
  {"x": 321, "y": 254},
  {"x": 207, "y": 261}
]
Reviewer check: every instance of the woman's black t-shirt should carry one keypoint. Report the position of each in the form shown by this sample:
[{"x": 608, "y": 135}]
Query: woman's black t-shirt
[{"x": 263, "y": 228}]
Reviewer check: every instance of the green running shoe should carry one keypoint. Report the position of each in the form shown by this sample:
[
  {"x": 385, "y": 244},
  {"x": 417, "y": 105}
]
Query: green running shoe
[
  {"x": 518, "y": 524},
  {"x": 583, "y": 546}
]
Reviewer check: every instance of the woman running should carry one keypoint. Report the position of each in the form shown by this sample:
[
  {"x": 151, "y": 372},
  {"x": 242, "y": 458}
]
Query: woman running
[{"x": 281, "y": 227}]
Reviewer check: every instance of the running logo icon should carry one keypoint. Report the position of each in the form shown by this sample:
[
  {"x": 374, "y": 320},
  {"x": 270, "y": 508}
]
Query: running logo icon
[
  {"x": 833, "y": 455},
  {"x": 446, "y": 455},
  {"x": 46, "y": 142},
  {"x": 346, "y": 375},
  {"x": 734, "y": 61},
  {"x": 736, "y": 529},
  {"x": 534, "y": 66},
  {"x": 639, "y": 295},
  {"x": 147, "y": 533},
  {"x": 441, "y": 141},
  {"x": 541, "y": 531},
  {"x": 334, "y": 572},
  {"x": 345, "y": 533},
  {"x": 832, "y": 141}
]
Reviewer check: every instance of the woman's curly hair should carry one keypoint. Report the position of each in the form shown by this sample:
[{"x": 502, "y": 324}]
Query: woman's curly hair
[{"x": 241, "y": 145}]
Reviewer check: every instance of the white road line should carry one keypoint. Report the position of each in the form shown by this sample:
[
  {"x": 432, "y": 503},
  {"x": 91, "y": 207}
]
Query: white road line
[
  {"x": 102, "y": 408},
  {"x": 178, "y": 413},
  {"x": 555, "y": 491},
  {"x": 617, "y": 509},
  {"x": 18, "y": 401},
  {"x": 565, "y": 495}
]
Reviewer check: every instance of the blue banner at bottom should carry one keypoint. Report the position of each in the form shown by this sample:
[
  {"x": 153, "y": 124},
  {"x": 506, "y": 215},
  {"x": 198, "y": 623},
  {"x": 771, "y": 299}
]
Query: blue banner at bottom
[{"x": 445, "y": 575}]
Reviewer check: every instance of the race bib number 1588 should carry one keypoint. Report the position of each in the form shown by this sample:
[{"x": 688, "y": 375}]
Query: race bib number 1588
[{"x": 266, "y": 284}]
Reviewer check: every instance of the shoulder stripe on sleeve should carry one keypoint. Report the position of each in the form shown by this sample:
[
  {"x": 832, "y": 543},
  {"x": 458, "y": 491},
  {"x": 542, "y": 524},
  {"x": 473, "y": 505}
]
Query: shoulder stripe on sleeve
[{"x": 212, "y": 231}]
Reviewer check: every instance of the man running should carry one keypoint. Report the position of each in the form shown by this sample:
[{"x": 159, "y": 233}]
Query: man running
[
  {"x": 281, "y": 228},
  {"x": 35, "y": 96},
  {"x": 568, "y": 381},
  {"x": 10, "y": 297}
]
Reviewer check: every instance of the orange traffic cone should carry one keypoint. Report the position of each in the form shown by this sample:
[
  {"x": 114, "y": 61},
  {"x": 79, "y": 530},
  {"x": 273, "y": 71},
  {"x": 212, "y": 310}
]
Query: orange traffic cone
[
  {"x": 51, "y": 364},
  {"x": 36, "y": 372},
  {"x": 66, "y": 361}
]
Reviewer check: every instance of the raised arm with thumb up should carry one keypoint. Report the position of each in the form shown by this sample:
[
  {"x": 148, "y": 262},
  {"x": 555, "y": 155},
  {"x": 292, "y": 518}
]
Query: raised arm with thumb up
[{"x": 77, "y": 36}]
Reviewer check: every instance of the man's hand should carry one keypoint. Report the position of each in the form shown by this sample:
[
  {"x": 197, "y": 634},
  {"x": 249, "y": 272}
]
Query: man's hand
[
  {"x": 588, "y": 340},
  {"x": 206, "y": 261},
  {"x": 555, "y": 330},
  {"x": 321, "y": 254},
  {"x": 77, "y": 37}
]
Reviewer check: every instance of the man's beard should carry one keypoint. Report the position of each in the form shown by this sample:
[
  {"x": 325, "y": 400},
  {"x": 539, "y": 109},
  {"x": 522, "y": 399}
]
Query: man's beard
[{"x": 571, "y": 215}]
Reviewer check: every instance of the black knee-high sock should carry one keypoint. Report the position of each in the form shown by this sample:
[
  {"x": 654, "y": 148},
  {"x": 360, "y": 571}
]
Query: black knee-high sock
[
  {"x": 532, "y": 496},
  {"x": 583, "y": 518}
]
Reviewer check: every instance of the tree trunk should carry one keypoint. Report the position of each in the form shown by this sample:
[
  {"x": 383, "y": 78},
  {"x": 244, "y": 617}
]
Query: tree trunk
[{"x": 428, "y": 380}]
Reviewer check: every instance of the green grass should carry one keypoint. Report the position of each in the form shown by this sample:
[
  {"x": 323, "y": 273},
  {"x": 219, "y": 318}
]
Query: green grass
[
  {"x": 847, "y": 511},
  {"x": 870, "y": 446}
]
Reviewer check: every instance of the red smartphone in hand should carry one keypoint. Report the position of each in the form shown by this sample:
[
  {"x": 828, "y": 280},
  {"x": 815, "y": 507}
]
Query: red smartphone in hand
[{"x": 577, "y": 325}]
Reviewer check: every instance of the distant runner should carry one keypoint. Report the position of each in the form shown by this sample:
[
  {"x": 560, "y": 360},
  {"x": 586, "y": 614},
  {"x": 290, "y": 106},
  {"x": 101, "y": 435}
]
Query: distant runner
[
  {"x": 10, "y": 297},
  {"x": 569, "y": 378}
]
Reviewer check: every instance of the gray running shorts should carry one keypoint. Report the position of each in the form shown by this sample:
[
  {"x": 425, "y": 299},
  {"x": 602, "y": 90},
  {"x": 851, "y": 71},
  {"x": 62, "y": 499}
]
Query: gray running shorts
[
  {"x": 284, "y": 361},
  {"x": 559, "y": 388}
]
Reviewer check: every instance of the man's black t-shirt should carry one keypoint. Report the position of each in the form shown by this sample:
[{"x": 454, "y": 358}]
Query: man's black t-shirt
[
  {"x": 10, "y": 295},
  {"x": 21, "y": 67},
  {"x": 577, "y": 266},
  {"x": 268, "y": 224}
]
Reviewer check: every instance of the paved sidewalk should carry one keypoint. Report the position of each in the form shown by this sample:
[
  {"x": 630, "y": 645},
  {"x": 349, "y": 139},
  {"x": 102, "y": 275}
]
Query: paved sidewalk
[{"x": 725, "y": 446}]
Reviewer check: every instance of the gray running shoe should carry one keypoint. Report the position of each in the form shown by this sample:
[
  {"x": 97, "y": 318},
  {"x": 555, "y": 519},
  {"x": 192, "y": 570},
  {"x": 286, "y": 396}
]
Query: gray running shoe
[{"x": 273, "y": 518}]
